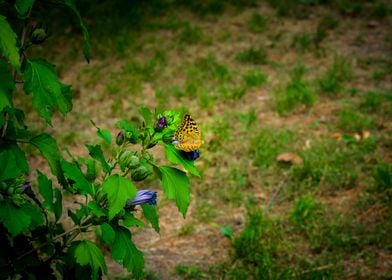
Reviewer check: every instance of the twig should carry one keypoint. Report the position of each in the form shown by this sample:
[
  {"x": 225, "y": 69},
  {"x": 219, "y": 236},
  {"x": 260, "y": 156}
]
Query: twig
[{"x": 273, "y": 197}]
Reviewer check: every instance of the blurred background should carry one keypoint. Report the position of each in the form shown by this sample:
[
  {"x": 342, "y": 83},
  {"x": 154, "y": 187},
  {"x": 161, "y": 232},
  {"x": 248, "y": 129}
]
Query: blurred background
[{"x": 294, "y": 102}]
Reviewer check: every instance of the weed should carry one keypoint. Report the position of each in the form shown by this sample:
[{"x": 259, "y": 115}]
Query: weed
[
  {"x": 189, "y": 272},
  {"x": 296, "y": 93},
  {"x": 257, "y": 249},
  {"x": 190, "y": 34},
  {"x": 254, "y": 78},
  {"x": 267, "y": 144},
  {"x": 247, "y": 119},
  {"x": 210, "y": 68},
  {"x": 205, "y": 212},
  {"x": 257, "y": 23},
  {"x": 335, "y": 77},
  {"x": 383, "y": 180},
  {"x": 371, "y": 102},
  {"x": 186, "y": 229},
  {"x": 350, "y": 120},
  {"x": 252, "y": 55},
  {"x": 302, "y": 41},
  {"x": 306, "y": 212}
]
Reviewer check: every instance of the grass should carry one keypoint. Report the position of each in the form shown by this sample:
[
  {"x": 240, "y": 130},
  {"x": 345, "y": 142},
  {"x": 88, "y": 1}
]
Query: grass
[
  {"x": 298, "y": 92},
  {"x": 234, "y": 66}
]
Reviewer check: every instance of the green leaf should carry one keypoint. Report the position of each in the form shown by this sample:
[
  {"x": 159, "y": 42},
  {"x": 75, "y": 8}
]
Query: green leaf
[
  {"x": 129, "y": 220},
  {"x": 86, "y": 36},
  {"x": 126, "y": 253},
  {"x": 72, "y": 171},
  {"x": 17, "y": 219},
  {"x": 118, "y": 190},
  {"x": 147, "y": 115},
  {"x": 105, "y": 135},
  {"x": 151, "y": 214},
  {"x": 91, "y": 172},
  {"x": 46, "y": 191},
  {"x": 97, "y": 154},
  {"x": 175, "y": 185},
  {"x": 87, "y": 253},
  {"x": 14, "y": 218},
  {"x": 126, "y": 126},
  {"x": 96, "y": 210},
  {"x": 58, "y": 204},
  {"x": 174, "y": 156},
  {"x": 48, "y": 93},
  {"x": 7, "y": 86},
  {"x": 108, "y": 233},
  {"x": 8, "y": 45},
  {"x": 12, "y": 162},
  {"x": 49, "y": 150},
  {"x": 23, "y": 6}
]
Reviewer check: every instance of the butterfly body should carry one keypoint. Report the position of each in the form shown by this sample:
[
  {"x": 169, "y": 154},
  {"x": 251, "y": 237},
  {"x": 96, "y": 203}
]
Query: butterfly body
[{"x": 187, "y": 137}]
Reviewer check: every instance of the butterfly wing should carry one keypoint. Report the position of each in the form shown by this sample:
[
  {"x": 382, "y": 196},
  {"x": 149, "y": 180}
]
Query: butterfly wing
[{"x": 188, "y": 136}]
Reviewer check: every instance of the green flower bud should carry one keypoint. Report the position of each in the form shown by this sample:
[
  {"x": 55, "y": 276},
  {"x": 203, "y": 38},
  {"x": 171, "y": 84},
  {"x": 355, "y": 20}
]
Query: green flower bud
[
  {"x": 128, "y": 160},
  {"x": 133, "y": 162},
  {"x": 131, "y": 136},
  {"x": 38, "y": 36},
  {"x": 140, "y": 173}
]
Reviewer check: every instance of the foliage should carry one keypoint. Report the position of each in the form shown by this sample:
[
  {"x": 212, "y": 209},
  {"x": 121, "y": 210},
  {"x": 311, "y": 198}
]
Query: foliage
[{"x": 35, "y": 242}]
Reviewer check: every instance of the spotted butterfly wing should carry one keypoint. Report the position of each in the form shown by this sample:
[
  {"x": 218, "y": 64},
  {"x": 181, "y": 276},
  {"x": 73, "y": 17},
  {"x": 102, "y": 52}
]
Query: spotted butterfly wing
[{"x": 187, "y": 137}]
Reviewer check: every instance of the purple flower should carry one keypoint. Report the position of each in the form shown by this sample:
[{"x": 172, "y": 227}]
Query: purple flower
[
  {"x": 144, "y": 196},
  {"x": 162, "y": 122},
  {"x": 25, "y": 186},
  {"x": 120, "y": 138}
]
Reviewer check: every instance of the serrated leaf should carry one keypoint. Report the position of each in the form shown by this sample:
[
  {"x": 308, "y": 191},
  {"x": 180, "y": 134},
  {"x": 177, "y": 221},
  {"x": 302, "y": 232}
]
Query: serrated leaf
[
  {"x": 12, "y": 162},
  {"x": 8, "y": 45},
  {"x": 14, "y": 218},
  {"x": 118, "y": 190},
  {"x": 7, "y": 86},
  {"x": 126, "y": 253},
  {"x": 151, "y": 214},
  {"x": 46, "y": 191},
  {"x": 126, "y": 126},
  {"x": 86, "y": 36},
  {"x": 175, "y": 185},
  {"x": 105, "y": 135},
  {"x": 17, "y": 219},
  {"x": 96, "y": 210},
  {"x": 48, "y": 93},
  {"x": 23, "y": 6},
  {"x": 91, "y": 172},
  {"x": 147, "y": 115},
  {"x": 129, "y": 220},
  {"x": 78, "y": 214},
  {"x": 108, "y": 233},
  {"x": 72, "y": 171},
  {"x": 49, "y": 150},
  {"x": 174, "y": 156},
  {"x": 97, "y": 154},
  {"x": 58, "y": 204},
  {"x": 87, "y": 253}
]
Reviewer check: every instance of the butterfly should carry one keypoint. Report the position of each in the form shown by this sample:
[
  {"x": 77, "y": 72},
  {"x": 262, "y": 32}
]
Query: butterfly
[{"x": 187, "y": 137}]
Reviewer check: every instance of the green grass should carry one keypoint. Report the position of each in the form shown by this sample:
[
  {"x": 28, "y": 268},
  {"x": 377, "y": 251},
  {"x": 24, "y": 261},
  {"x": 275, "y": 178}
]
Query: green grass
[
  {"x": 256, "y": 56},
  {"x": 297, "y": 92},
  {"x": 190, "y": 34},
  {"x": 257, "y": 23},
  {"x": 333, "y": 80},
  {"x": 254, "y": 78},
  {"x": 351, "y": 120}
]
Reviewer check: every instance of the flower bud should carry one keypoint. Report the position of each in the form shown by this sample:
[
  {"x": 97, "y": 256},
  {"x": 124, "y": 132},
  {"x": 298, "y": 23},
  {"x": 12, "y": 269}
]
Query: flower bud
[
  {"x": 126, "y": 159},
  {"x": 131, "y": 136},
  {"x": 140, "y": 173},
  {"x": 120, "y": 138},
  {"x": 152, "y": 144},
  {"x": 161, "y": 124},
  {"x": 38, "y": 36}
]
